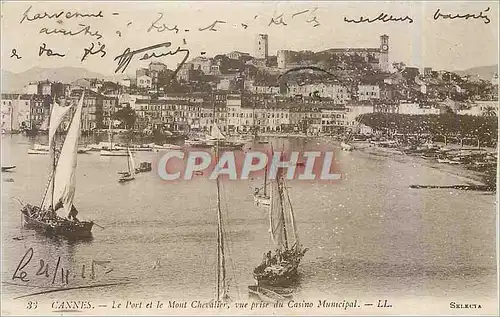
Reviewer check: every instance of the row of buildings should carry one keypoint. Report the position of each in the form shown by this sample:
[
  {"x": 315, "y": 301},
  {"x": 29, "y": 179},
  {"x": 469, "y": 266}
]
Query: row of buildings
[{"x": 233, "y": 112}]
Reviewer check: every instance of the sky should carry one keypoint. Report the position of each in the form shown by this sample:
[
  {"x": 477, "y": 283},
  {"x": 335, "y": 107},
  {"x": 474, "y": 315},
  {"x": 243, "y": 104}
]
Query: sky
[{"x": 442, "y": 44}]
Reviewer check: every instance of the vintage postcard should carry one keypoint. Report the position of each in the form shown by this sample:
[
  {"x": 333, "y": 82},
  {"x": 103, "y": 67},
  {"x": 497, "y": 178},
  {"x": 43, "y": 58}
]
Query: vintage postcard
[{"x": 249, "y": 158}]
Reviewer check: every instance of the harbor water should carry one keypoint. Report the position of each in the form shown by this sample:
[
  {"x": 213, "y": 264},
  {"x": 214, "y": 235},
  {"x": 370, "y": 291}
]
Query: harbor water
[{"x": 369, "y": 235}]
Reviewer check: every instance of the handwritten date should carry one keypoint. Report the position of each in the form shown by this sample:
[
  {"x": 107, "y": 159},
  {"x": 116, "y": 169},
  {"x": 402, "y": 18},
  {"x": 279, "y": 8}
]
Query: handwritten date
[{"x": 56, "y": 273}]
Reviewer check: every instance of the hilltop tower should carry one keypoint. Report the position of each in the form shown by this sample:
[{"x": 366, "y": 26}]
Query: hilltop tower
[
  {"x": 261, "y": 46},
  {"x": 384, "y": 53}
]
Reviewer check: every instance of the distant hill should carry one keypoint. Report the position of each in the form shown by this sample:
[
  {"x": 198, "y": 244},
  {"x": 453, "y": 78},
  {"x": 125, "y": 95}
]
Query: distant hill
[
  {"x": 14, "y": 83},
  {"x": 483, "y": 72}
]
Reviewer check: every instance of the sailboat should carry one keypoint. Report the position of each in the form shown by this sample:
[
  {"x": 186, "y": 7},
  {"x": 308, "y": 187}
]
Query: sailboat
[
  {"x": 346, "y": 144},
  {"x": 111, "y": 151},
  {"x": 260, "y": 196},
  {"x": 130, "y": 175},
  {"x": 56, "y": 214},
  {"x": 222, "y": 141},
  {"x": 280, "y": 268}
]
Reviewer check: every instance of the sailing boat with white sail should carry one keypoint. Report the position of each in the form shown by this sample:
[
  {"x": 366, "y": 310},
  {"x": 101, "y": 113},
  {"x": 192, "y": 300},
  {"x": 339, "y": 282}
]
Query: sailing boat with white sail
[
  {"x": 56, "y": 215},
  {"x": 261, "y": 196},
  {"x": 112, "y": 151},
  {"x": 130, "y": 175},
  {"x": 280, "y": 268}
]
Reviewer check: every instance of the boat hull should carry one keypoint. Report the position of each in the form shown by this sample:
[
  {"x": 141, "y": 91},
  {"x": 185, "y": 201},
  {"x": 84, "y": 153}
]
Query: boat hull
[
  {"x": 113, "y": 153},
  {"x": 70, "y": 229},
  {"x": 8, "y": 168},
  {"x": 346, "y": 147},
  {"x": 286, "y": 278},
  {"x": 265, "y": 294},
  {"x": 262, "y": 200},
  {"x": 125, "y": 179},
  {"x": 39, "y": 152},
  {"x": 282, "y": 272}
]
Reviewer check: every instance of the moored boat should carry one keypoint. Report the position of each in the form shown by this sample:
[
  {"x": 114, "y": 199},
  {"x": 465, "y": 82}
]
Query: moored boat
[
  {"x": 346, "y": 147},
  {"x": 57, "y": 214},
  {"x": 166, "y": 146},
  {"x": 130, "y": 175},
  {"x": 280, "y": 267},
  {"x": 143, "y": 167},
  {"x": 113, "y": 153},
  {"x": 261, "y": 196},
  {"x": 40, "y": 152},
  {"x": 6, "y": 168}
]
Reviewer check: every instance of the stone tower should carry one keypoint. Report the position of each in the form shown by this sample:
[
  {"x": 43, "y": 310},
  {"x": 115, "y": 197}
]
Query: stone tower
[
  {"x": 384, "y": 53},
  {"x": 261, "y": 46}
]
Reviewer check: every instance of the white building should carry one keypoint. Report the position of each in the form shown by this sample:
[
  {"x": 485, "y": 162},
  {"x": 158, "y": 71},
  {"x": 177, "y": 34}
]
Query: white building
[
  {"x": 144, "y": 81},
  {"x": 224, "y": 84},
  {"x": 202, "y": 63},
  {"x": 339, "y": 94},
  {"x": 259, "y": 89},
  {"x": 416, "y": 109},
  {"x": 15, "y": 112},
  {"x": 126, "y": 82},
  {"x": 31, "y": 89},
  {"x": 367, "y": 92},
  {"x": 354, "y": 111},
  {"x": 236, "y": 55},
  {"x": 332, "y": 119},
  {"x": 481, "y": 108}
]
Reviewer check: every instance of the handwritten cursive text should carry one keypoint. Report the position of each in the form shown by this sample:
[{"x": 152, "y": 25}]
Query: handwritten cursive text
[
  {"x": 68, "y": 15},
  {"x": 125, "y": 58},
  {"x": 90, "y": 50},
  {"x": 162, "y": 27},
  {"x": 439, "y": 15},
  {"x": 382, "y": 17},
  {"x": 48, "y": 51},
  {"x": 85, "y": 30}
]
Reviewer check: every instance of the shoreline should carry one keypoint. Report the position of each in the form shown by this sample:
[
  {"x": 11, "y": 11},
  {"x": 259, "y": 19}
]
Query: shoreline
[{"x": 468, "y": 176}]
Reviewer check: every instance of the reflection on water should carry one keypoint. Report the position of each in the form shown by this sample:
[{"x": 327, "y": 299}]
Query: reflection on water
[{"x": 367, "y": 234}]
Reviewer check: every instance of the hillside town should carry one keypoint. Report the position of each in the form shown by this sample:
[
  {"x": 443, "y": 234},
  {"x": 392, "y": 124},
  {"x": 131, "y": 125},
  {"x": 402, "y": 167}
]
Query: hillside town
[{"x": 313, "y": 93}]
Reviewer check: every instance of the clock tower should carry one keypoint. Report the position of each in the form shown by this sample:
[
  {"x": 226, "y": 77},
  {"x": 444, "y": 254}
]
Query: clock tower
[
  {"x": 384, "y": 53},
  {"x": 384, "y": 43}
]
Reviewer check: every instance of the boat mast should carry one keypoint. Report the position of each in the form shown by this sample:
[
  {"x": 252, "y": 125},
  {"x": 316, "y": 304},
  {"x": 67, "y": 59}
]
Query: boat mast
[
  {"x": 282, "y": 212},
  {"x": 221, "y": 262},
  {"x": 53, "y": 164},
  {"x": 292, "y": 217},
  {"x": 110, "y": 135},
  {"x": 265, "y": 182},
  {"x": 128, "y": 161}
]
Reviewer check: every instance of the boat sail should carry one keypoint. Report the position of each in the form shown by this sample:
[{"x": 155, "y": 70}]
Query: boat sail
[
  {"x": 57, "y": 214},
  {"x": 111, "y": 151},
  {"x": 261, "y": 196},
  {"x": 216, "y": 133},
  {"x": 280, "y": 268},
  {"x": 130, "y": 175}
]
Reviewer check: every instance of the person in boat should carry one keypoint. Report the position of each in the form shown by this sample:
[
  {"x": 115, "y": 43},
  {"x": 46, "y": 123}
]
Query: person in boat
[
  {"x": 278, "y": 255},
  {"x": 72, "y": 214}
]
